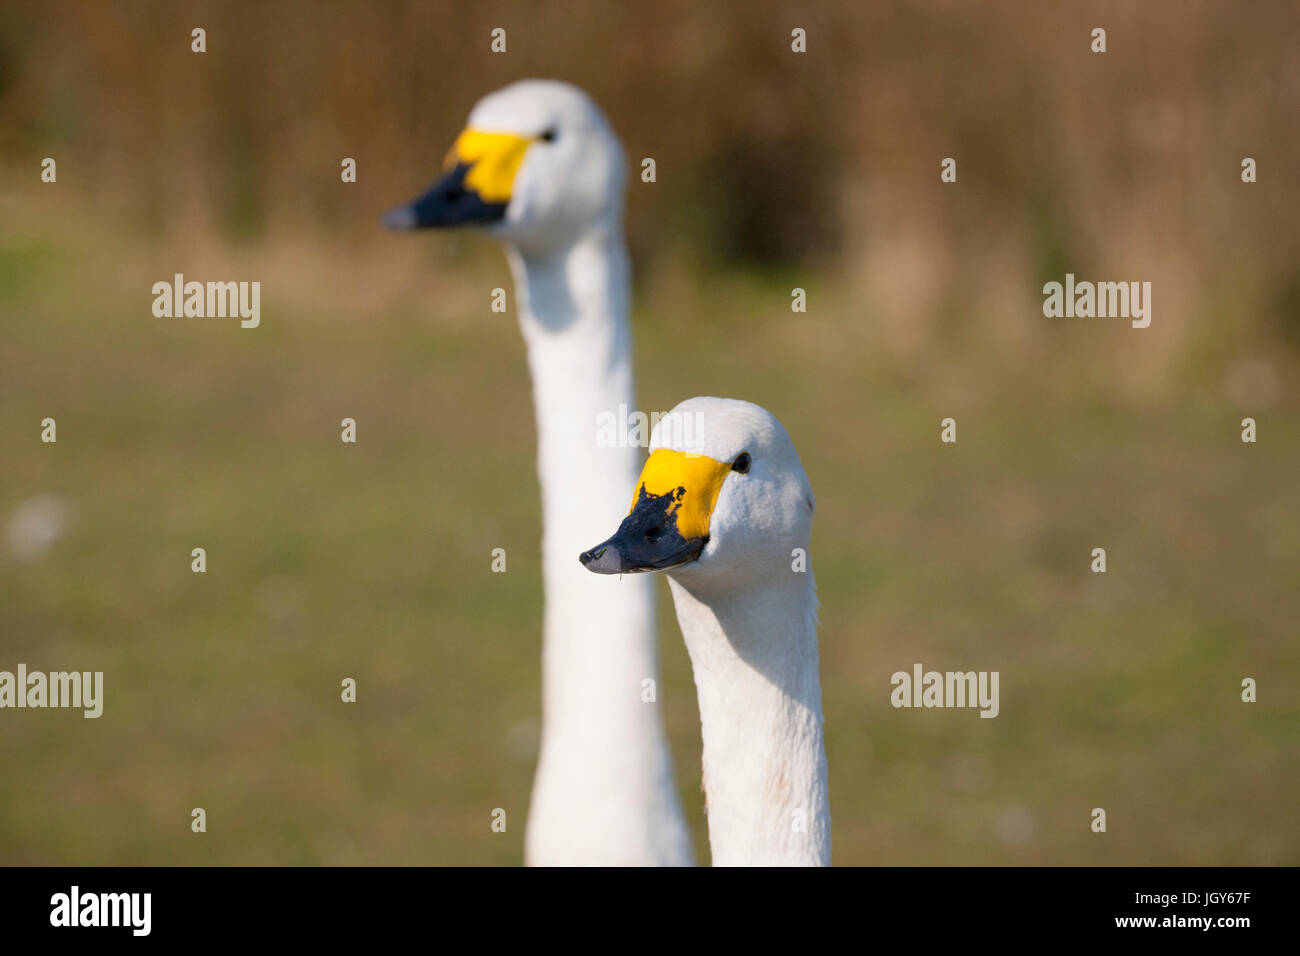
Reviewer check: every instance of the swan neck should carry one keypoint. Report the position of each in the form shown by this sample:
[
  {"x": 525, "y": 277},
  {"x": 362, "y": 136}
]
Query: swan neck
[
  {"x": 604, "y": 792},
  {"x": 755, "y": 658}
]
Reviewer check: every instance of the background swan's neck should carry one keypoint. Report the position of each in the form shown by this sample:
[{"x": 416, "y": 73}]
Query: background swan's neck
[
  {"x": 755, "y": 660},
  {"x": 604, "y": 791}
]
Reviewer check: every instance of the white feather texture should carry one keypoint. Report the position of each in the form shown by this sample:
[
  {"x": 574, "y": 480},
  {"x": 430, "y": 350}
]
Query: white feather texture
[
  {"x": 749, "y": 620},
  {"x": 604, "y": 793}
]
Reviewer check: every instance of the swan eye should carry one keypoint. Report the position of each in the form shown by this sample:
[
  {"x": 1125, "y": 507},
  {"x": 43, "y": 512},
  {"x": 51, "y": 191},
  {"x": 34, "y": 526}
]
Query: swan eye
[
  {"x": 548, "y": 135},
  {"x": 741, "y": 464}
]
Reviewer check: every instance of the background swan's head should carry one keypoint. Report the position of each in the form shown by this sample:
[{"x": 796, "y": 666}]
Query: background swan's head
[
  {"x": 537, "y": 164},
  {"x": 723, "y": 499}
]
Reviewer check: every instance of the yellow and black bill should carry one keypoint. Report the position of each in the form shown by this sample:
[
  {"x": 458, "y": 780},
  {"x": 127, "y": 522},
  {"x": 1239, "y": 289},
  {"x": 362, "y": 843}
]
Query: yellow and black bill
[
  {"x": 668, "y": 524},
  {"x": 647, "y": 540},
  {"x": 476, "y": 185}
]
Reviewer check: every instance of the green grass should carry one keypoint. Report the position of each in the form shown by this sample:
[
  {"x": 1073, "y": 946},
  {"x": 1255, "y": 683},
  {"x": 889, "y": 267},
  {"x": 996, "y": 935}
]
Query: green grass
[{"x": 328, "y": 560}]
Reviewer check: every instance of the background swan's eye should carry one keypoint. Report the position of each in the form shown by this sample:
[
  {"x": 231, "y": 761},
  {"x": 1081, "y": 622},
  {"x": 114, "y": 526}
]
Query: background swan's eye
[
  {"x": 741, "y": 464},
  {"x": 548, "y": 135}
]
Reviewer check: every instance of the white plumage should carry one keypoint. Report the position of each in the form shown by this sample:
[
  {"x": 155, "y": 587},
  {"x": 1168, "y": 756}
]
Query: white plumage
[
  {"x": 747, "y": 605},
  {"x": 604, "y": 791}
]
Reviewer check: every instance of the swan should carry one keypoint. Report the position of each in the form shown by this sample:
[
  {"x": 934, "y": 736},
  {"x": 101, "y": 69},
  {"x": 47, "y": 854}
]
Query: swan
[
  {"x": 539, "y": 168},
  {"x": 723, "y": 506}
]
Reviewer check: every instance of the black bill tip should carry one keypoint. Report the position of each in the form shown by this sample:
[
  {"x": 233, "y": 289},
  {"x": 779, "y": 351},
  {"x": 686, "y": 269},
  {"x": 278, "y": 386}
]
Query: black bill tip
[
  {"x": 448, "y": 202},
  {"x": 603, "y": 559},
  {"x": 647, "y": 540},
  {"x": 401, "y": 217}
]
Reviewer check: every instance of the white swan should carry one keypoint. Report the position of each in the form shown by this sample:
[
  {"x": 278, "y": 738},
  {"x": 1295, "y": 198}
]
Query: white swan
[
  {"x": 539, "y": 168},
  {"x": 723, "y": 505}
]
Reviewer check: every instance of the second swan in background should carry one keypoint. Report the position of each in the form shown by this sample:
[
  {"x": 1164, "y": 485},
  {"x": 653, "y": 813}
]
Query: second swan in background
[{"x": 539, "y": 168}]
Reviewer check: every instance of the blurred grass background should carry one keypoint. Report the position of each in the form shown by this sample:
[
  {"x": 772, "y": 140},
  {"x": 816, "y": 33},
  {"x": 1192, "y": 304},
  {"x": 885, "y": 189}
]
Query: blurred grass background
[{"x": 774, "y": 170}]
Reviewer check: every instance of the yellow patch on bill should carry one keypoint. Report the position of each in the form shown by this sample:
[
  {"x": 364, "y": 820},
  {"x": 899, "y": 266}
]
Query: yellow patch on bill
[
  {"x": 701, "y": 476},
  {"x": 493, "y": 160}
]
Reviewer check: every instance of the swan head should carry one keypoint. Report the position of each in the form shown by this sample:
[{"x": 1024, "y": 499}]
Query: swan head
[
  {"x": 723, "y": 499},
  {"x": 537, "y": 164}
]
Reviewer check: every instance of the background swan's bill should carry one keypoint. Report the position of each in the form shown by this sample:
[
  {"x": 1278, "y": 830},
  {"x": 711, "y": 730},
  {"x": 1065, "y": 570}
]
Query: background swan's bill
[{"x": 448, "y": 202}]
